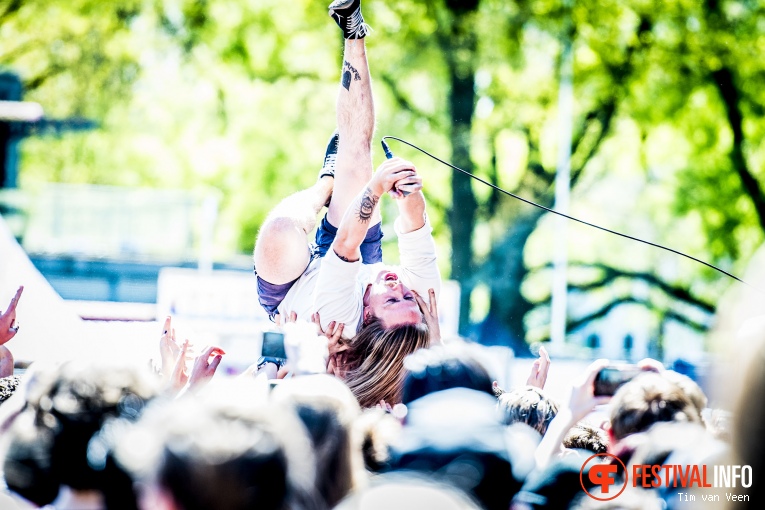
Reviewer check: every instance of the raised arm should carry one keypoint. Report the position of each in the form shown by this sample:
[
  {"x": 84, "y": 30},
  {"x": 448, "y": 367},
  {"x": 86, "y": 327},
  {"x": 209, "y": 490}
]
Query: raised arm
[
  {"x": 411, "y": 207},
  {"x": 356, "y": 220}
]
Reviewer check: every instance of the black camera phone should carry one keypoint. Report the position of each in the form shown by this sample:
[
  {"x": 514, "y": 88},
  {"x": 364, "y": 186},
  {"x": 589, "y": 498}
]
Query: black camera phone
[
  {"x": 610, "y": 378},
  {"x": 273, "y": 348}
]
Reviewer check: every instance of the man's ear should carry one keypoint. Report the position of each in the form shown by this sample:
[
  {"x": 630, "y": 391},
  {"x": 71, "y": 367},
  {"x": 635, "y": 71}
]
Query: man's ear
[
  {"x": 366, "y": 314},
  {"x": 367, "y": 291}
]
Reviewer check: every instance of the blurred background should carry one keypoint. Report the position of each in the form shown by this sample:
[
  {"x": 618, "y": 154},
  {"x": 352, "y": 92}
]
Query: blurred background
[{"x": 144, "y": 142}]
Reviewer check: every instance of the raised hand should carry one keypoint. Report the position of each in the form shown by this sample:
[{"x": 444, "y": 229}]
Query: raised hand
[
  {"x": 539, "y": 370},
  {"x": 291, "y": 317},
  {"x": 334, "y": 334},
  {"x": 390, "y": 173},
  {"x": 430, "y": 312},
  {"x": 179, "y": 376},
  {"x": 583, "y": 399},
  {"x": 205, "y": 366},
  {"x": 168, "y": 349},
  {"x": 8, "y": 326}
]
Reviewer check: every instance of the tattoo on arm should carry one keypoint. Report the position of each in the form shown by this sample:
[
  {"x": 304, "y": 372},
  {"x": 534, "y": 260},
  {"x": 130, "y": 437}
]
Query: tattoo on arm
[
  {"x": 348, "y": 69},
  {"x": 344, "y": 259},
  {"x": 367, "y": 206}
]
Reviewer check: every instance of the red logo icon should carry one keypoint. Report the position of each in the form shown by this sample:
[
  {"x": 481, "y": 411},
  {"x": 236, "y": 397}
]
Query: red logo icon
[{"x": 604, "y": 475}]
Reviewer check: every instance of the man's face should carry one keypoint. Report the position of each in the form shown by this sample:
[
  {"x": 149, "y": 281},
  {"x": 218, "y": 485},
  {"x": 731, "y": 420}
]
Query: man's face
[{"x": 391, "y": 301}]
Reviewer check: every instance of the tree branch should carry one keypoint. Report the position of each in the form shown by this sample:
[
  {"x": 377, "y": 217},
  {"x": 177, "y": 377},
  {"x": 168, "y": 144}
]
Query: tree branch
[
  {"x": 40, "y": 79},
  {"x": 726, "y": 86},
  {"x": 404, "y": 102},
  {"x": 12, "y": 8},
  {"x": 611, "y": 274}
]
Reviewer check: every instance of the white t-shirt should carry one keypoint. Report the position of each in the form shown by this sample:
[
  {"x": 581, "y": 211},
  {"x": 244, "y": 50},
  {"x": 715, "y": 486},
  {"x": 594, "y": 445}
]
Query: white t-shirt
[{"x": 335, "y": 288}]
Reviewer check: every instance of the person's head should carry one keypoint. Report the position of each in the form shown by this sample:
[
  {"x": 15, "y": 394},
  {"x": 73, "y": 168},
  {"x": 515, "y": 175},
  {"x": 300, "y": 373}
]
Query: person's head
[
  {"x": 584, "y": 436},
  {"x": 443, "y": 367},
  {"x": 8, "y": 386},
  {"x": 379, "y": 430},
  {"x": 376, "y": 360},
  {"x": 630, "y": 499},
  {"x": 50, "y": 441},
  {"x": 390, "y": 301},
  {"x": 329, "y": 411},
  {"x": 220, "y": 450},
  {"x": 529, "y": 405},
  {"x": 553, "y": 486},
  {"x": 408, "y": 493},
  {"x": 455, "y": 436},
  {"x": 691, "y": 389},
  {"x": 649, "y": 398}
]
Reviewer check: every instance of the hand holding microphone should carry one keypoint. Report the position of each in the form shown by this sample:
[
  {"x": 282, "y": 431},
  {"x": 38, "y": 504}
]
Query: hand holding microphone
[{"x": 406, "y": 185}]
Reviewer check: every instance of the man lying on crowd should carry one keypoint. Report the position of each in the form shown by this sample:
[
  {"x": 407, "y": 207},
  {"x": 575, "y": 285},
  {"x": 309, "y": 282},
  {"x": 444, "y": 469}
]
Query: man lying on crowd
[{"x": 386, "y": 313}]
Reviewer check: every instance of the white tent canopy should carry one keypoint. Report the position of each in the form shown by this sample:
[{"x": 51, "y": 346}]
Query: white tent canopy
[{"x": 49, "y": 328}]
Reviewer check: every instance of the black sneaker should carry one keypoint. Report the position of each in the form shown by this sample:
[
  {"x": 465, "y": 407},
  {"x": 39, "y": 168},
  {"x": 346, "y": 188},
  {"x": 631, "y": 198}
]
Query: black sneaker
[
  {"x": 347, "y": 14},
  {"x": 330, "y": 156}
]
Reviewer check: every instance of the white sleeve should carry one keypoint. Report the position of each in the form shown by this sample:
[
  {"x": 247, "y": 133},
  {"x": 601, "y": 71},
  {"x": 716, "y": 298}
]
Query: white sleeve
[
  {"x": 417, "y": 255},
  {"x": 338, "y": 295}
]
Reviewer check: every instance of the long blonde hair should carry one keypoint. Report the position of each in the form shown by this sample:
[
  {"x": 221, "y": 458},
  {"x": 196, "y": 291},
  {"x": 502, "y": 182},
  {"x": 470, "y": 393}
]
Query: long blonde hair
[{"x": 376, "y": 360}]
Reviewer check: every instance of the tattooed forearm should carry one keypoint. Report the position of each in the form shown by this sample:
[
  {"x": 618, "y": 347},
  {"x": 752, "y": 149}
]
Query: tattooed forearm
[
  {"x": 349, "y": 70},
  {"x": 367, "y": 206},
  {"x": 344, "y": 259}
]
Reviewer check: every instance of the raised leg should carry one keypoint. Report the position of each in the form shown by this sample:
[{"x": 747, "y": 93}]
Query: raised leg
[
  {"x": 355, "y": 123},
  {"x": 282, "y": 250}
]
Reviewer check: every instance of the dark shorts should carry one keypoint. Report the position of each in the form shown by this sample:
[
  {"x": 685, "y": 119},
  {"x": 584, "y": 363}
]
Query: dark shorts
[{"x": 270, "y": 295}]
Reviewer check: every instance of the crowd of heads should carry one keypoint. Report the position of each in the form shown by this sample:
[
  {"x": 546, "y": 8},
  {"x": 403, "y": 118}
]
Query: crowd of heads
[{"x": 429, "y": 429}]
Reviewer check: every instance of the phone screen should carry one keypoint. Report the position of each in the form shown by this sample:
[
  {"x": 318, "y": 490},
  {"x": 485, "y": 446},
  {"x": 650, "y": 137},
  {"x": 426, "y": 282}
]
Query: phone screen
[
  {"x": 273, "y": 345},
  {"x": 611, "y": 378}
]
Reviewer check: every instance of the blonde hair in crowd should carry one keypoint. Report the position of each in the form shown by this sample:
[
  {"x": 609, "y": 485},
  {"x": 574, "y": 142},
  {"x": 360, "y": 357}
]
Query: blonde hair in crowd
[{"x": 376, "y": 360}]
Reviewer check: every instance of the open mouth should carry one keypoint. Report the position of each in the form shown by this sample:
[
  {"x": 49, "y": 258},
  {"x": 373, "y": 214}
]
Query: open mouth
[{"x": 391, "y": 277}]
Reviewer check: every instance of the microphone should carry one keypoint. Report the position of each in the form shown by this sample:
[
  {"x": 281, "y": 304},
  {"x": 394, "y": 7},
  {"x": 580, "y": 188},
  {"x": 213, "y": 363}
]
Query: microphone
[
  {"x": 386, "y": 150},
  {"x": 389, "y": 155}
]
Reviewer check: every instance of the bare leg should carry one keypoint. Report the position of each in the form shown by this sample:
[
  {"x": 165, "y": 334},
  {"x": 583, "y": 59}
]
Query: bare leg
[
  {"x": 282, "y": 251},
  {"x": 356, "y": 124}
]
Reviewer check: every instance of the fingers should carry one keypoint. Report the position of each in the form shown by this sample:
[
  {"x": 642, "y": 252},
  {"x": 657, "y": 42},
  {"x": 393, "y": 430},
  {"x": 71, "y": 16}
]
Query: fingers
[
  {"x": 420, "y": 302},
  {"x": 600, "y": 401},
  {"x": 209, "y": 352},
  {"x": 433, "y": 304},
  {"x": 184, "y": 351},
  {"x": 592, "y": 371},
  {"x": 651, "y": 365},
  {"x": 168, "y": 326},
  {"x": 292, "y": 317},
  {"x": 215, "y": 362},
  {"x": 15, "y": 300},
  {"x": 408, "y": 184},
  {"x": 544, "y": 360},
  {"x": 397, "y": 164}
]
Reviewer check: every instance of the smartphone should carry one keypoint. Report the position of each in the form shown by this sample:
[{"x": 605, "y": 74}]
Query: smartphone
[
  {"x": 273, "y": 347},
  {"x": 609, "y": 379}
]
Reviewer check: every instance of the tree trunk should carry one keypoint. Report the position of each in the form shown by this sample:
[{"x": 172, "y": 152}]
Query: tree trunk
[
  {"x": 505, "y": 273},
  {"x": 462, "y": 215}
]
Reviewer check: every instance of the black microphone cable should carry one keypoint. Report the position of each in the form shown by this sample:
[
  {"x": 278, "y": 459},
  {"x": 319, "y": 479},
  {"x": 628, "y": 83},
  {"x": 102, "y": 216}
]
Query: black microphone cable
[{"x": 389, "y": 154}]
